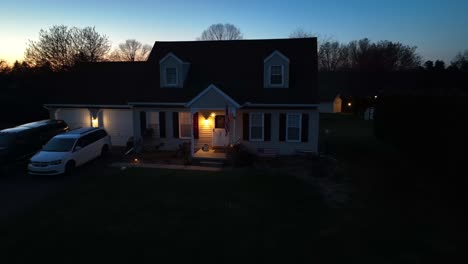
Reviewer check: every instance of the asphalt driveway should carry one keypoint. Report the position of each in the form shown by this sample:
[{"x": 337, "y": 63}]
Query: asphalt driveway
[{"x": 20, "y": 191}]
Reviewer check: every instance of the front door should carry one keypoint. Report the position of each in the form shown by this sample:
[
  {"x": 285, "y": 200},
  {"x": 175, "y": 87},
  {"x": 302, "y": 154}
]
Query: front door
[{"x": 220, "y": 139}]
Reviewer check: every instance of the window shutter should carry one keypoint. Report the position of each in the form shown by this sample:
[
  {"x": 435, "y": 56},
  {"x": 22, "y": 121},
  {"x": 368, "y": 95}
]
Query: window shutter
[
  {"x": 282, "y": 127},
  {"x": 175, "y": 124},
  {"x": 162, "y": 124},
  {"x": 142, "y": 123},
  {"x": 267, "y": 127},
  {"x": 196, "y": 134},
  {"x": 246, "y": 126},
  {"x": 305, "y": 128}
]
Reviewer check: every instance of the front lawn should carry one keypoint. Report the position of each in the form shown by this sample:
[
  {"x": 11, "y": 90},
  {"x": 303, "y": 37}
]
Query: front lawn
[
  {"x": 392, "y": 215},
  {"x": 137, "y": 214}
]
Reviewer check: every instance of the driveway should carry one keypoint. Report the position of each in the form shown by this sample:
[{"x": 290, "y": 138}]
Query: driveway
[{"x": 20, "y": 191}]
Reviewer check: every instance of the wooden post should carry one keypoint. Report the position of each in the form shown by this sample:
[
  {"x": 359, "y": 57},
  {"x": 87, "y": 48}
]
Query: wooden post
[{"x": 192, "y": 139}]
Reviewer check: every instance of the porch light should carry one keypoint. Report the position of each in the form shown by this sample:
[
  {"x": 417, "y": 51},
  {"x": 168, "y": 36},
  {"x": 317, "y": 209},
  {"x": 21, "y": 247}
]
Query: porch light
[
  {"x": 94, "y": 122},
  {"x": 213, "y": 114},
  {"x": 349, "y": 104},
  {"x": 375, "y": 97}
]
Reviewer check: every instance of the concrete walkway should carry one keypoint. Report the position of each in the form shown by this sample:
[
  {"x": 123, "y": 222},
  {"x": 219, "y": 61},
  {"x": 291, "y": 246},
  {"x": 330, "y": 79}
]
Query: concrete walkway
[{"x": 164, "y": 166}]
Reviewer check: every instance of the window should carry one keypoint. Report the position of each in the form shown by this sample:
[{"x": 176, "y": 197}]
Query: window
[
  {"x": 276, "y": 75},
  {"x": 171, "y": 76},
  {"x": 256, "y": 126},
  {"x": 293, "y": 127},
  {"x": 219, "y": 121},
  {"x": 185, "y": 126}
]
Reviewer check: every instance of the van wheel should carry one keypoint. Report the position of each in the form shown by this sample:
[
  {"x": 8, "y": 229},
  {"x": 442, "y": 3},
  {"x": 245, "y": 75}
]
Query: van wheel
[
  {"x": 69, "y": 167},
  {"x": 105, "y": 151}
]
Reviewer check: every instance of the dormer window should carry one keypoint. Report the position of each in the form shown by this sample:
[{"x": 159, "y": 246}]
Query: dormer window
[
  {"x": 276, "y": 75},
  {"x": 171, "y": 76},
  {"x": 172, "y": 71},
  {"x": 276, "y": 71}
]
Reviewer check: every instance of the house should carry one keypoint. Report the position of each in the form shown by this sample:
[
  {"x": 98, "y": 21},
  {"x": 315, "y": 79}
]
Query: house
[
  {"x": 330, "y": 104},
  {"x": 261, "y": 93}
]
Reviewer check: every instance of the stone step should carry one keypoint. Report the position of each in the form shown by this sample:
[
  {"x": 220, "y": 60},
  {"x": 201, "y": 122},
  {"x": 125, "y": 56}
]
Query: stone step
[{"x": 211, "y": 163}]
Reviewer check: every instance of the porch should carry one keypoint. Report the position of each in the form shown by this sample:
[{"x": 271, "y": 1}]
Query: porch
[{"x": 210, "y": 154}]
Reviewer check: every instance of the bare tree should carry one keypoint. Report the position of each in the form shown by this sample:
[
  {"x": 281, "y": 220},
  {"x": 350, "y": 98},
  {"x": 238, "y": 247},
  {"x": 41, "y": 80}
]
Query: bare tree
[
  {"x": 300, "y": 33},
  {"x": 382, "y": 56},
  {"x": 4, "y": 68},
  {"x": 88, "y": 45},
  {"x": 460, "y": 61},
  {"x": 131, "y": 50},
  {"x": 221, "y": 32},
  {"x": 332, "y": 56},
  {"x": 61, "y": 47}
]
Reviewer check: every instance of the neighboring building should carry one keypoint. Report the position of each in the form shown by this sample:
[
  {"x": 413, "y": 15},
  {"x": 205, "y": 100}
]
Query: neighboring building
[
  {"x": 330, "y": 105},
  {"x": 262, "y": 93}
]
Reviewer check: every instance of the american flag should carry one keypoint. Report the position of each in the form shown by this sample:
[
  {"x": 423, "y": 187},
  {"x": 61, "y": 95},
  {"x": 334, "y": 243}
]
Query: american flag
[{"x": 227, "y": 120}]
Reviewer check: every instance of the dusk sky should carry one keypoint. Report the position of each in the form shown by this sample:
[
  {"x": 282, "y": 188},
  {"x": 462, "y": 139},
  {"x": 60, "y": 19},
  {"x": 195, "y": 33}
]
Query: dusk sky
[{"x": 438, "y": 27}]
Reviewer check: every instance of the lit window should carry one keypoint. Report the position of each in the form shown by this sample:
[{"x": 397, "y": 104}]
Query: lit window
[
  {"x": 256, "y": 126},
  {"x": 185, "y": 126},
  {"x": 276, "y": 75},
  {"x": 171, "y": 76},
  {"x": 293, "y": 128}
]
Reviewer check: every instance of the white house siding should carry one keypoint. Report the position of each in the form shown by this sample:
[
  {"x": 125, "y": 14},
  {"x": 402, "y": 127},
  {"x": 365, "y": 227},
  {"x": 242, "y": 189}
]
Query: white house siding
[
  {"x": 212, "y": 100},
  {"x": 337, "y": 105},
  {"x": 74, "y": 117},
  {"x": 119, "y": 124},
  {"x": 169, "y": 142},
  {"x": 331, "y": 107},
  {"x": 326, "y": 107},
  {"x": 205, "y": 130},
  {"x": 283, "y": 147}
]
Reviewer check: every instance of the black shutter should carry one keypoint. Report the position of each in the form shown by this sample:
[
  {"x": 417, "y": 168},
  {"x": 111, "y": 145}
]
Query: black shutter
[
  {"x": 245, "y": 126},
  {"x": 305, "y": 128},
  {"x": 162, "y": 124},
  {"x": 196, "y": 134},
  {"x": 175, "y": 124},
  {"x": 282, "y": 127},
  {"x": 267, "y": 127},
  {"x": 142, "y": 123}
]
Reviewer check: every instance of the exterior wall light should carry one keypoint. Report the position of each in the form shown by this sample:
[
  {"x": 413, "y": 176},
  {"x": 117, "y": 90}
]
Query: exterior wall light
[{"x": 94, "y": 122}]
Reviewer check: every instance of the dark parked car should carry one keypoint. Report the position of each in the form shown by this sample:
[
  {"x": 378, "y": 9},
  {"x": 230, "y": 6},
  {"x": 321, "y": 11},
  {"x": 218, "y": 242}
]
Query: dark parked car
[{"x": 19, "y": 143}]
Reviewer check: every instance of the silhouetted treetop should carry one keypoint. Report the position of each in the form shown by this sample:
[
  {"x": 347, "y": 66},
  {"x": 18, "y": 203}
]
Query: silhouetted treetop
[
  {"x": 460, "y": 62},
  {"x": 131, "y": 50},
  {"x": 221, "y": 32},
  {"x": 62, "y": 47}
]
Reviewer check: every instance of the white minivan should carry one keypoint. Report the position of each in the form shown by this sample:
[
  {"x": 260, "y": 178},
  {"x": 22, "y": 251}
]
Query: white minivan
[{"x": 66, "y": 151}]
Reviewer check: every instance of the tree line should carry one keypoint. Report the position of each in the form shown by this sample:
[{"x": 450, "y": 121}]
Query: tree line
[{"x": 61, "y": 47}]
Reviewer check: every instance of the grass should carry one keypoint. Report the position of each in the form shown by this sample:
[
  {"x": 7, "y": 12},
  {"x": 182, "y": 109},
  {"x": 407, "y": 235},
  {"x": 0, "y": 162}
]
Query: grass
[
  {"x": 397, "y": 214},
  {"x": 140, "y": 214}
]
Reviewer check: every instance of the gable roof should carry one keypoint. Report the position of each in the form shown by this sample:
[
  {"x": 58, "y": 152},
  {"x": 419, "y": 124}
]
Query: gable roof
[
  {"x": 217, "y": 90},
  {"x": 234, "y": 67}
]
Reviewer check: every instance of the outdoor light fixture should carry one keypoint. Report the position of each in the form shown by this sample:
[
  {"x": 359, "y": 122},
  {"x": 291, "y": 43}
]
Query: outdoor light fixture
[
  {"x": 349, "y": 104},
  {"x": 94, "y": 122},
  {"x": 375, "y": 97},
  {"x": 213, "y": 114}
]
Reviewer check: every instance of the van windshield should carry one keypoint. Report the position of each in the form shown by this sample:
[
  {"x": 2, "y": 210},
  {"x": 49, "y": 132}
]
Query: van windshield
[
  {"x": 5, "y": 140},
  {"x": 59, "y": 145}
]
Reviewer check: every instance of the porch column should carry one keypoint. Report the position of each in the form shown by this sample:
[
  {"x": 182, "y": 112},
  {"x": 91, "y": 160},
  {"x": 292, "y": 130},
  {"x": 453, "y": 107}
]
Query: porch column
[
  {"x": 192, "y": 139},
  {"x": 234, "y": 121}
]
